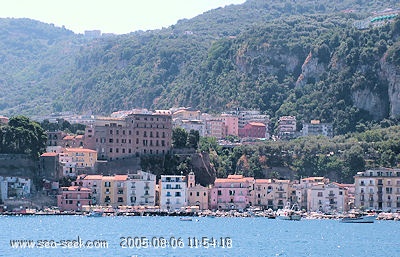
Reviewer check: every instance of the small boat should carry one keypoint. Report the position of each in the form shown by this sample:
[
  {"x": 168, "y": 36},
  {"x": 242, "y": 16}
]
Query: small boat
[
  {"x": 359, "y": 219},
  {"x": 95, "y": 214},
  {"x": 185, "y": 219},
  {"x": 289, "y": 213}
]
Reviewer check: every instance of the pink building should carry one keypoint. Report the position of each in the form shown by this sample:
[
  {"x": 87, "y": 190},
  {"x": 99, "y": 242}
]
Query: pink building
[
  {"x": 73, "y": 198},
  {"x": 231, "y": 124},
  {"x": 253, "y": 130},
  {"x": 231, "y": 193}
]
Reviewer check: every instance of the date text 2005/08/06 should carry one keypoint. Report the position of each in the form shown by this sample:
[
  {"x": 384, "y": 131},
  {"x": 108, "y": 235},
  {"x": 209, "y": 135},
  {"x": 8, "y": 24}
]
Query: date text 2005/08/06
[{"x": 175, "y": 242}]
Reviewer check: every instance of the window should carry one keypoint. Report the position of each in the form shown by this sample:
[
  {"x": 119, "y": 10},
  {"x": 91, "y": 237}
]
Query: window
[
  {"x": 110, "y": 140},
  {"x": 219, "y": 192},
  {"x": 197, "y": 193},
  {"x": 319, "y": 194}
]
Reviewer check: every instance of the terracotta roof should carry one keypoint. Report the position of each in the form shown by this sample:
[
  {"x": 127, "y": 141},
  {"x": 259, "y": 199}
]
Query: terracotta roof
[
  {"x": 79, "y": 137},
  {"x": 262, "y": 181},
  {"x": 257, "y": 124},
  {"x": 49, "y": 154},
  {"x": 93, "y": 177},
  {"x": 68, "y": 137},
  {"x": 120, "y": 177},
  {"x": 81, "y": 150},
  {"x": 75, "y": 188}
]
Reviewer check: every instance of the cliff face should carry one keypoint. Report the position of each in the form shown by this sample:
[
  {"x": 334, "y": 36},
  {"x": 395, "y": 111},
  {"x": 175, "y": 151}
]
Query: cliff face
[
  {"x": 369, "y": 101},
  {"x": 392, "y": 74},
  {"x": 311, "y": 69}
]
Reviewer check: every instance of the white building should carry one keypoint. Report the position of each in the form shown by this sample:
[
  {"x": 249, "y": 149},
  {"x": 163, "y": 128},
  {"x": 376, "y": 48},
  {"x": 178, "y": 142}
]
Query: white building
[
  {"x": 14, "y": 187},
  {"x": 330, "y": 197},
  {"x": 172, "y": 192},
  {"x": 316, "y": 128},
  {"x": 141, "y": 189}
]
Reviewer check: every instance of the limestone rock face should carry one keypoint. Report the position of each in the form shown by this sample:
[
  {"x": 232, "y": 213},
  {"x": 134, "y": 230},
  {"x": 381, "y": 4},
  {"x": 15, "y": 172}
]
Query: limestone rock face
[
  {"x": 367, "y": 100},
  {"x": 392, "y": 74},
  {"x": 311, "y": 69}
]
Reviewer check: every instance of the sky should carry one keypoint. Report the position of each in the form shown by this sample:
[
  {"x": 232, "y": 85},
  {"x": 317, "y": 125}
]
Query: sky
[{"x": 109, "y": 16}]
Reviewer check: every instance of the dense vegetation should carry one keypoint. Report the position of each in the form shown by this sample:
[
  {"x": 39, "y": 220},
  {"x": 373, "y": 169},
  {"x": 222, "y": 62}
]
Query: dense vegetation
[
  {"x": 304, "y": 58},
  {"x": 22, "y": 136},
  {"x": 339, "y": 158},
  {"x": 248, "y": 55}
]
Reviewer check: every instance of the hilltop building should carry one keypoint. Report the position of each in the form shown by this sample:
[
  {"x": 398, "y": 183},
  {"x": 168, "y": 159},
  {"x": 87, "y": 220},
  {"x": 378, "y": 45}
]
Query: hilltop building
[
  {"x": 131, "y": 136},
  {"x": 315, "y": 128}
]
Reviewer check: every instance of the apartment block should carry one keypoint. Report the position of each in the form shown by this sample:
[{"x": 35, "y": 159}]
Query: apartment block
[
  {"x": 315, "y": 128},
  {"x": 378, "y": 189},
  {"x": 232, "y": 193},
  {"x": 130, "y": 136},
  {"x": 73, "y": 198},
  {"x": 141, "y": 189},
  {"x": 172, "y": 190},
  {"x": 332, "y": 197}
]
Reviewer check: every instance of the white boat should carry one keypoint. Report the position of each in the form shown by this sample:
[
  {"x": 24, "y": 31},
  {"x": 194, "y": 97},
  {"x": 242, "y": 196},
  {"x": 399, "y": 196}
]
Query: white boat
[
  {"x": 359, "y": 219},
  {"x": 289, "y": 213},
  {"x": 95, "y": 214}
]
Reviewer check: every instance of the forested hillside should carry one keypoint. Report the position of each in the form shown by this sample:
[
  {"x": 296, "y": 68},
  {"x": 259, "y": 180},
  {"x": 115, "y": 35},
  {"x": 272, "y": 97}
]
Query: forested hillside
[{"x": 303, "y": 58}]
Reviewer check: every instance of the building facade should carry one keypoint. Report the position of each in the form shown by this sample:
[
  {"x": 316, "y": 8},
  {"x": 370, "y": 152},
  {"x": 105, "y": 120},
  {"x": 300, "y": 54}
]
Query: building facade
[
  {"x": 327, "y": 198},
  {"x": 131, "y": 136},
  {"x": 141, "y": 189},
  {"x": 73, "y": 198},
  {"x": 232, "y": 193},
  {"x": 173, "y": 191},
  {"x": 315, "y": 128},
  {"x": 378, "y": 190},
  {"x": 196, "y": 193}
]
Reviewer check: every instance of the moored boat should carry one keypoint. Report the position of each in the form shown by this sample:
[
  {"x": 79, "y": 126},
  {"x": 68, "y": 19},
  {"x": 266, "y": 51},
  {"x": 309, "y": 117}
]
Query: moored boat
[
  {"x": 359, "y": 219},
  {"x": 289, "y": 213},
  {"x": 95, "y": 214}
]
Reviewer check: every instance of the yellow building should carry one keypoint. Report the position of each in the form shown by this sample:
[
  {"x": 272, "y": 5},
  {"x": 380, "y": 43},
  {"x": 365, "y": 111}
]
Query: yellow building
[
  {"x": 84, "y": 158},
  {"x": 197, "y": 194},
  {"x": 272, "y": 193}
]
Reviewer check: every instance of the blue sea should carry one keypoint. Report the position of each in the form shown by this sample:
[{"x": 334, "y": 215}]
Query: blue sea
[{"x": 204, "y": 236}]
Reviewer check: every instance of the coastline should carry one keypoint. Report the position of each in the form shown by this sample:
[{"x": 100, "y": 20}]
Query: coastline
[{"x": 207, "y": 213}]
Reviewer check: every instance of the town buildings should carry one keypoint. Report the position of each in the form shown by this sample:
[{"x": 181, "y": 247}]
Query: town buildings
[
  {"x": 332, "y": 197},
  {"x": 14, "y": 187},
  {"x": 72, "y": 198},
  {"x": 197, "y": 194},
  {"x": 232, "y": 193},
  {"x": 378, "y": 189},
  {"x": 131, "y": 136},
  {"x": 172, "y": 192}
]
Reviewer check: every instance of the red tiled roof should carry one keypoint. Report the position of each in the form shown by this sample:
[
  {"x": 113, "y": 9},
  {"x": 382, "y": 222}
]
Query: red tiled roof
[
  {"x": 81, "y": 150},
  {"x": 257, "y": 124},
  {"x": 50, "y": 154},
  {"x": 93, "y": 177},
  {"x": 68, "y": 137}
]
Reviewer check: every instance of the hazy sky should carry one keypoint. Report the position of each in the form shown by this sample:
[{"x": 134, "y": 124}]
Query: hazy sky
[{"x": 110, "y": 16}]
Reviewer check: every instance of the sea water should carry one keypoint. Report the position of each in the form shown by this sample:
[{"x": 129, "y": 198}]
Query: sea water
[{"x": 201, "y": 236}]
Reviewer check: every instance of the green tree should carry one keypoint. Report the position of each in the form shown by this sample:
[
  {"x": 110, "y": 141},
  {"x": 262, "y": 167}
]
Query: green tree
[
  {"x": 179, "y": 137},
  {"x": 193, "y": 138}
]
